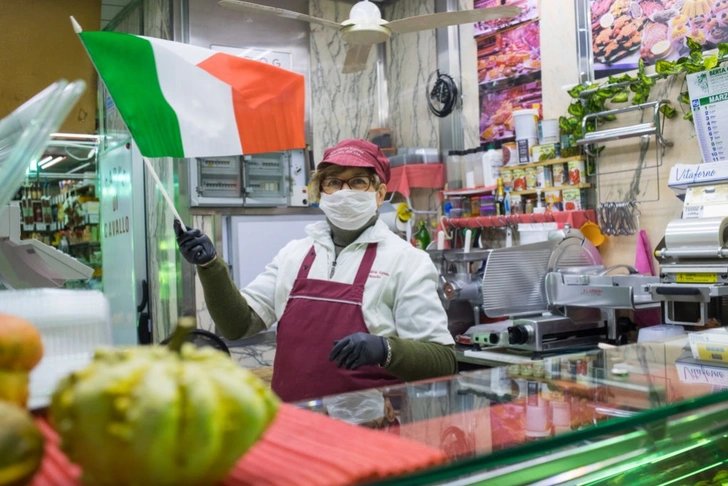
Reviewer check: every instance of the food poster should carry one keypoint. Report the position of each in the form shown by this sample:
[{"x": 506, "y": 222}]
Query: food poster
[
  {"x": 496, "y": 109},
  {"x": 529, "y": 11},
  {"x": 512, "y": 52},
  {"x": 623, "y": 31}
]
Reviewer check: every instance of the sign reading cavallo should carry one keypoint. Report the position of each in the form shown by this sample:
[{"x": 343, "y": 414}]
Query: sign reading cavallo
[{"x": 116, "y": 181}]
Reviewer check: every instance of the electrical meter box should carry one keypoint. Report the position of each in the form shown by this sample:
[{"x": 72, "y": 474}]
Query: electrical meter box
[{"x": 262, "y": 180}]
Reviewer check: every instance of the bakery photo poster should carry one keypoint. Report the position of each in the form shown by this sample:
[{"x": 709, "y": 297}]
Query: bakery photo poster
[
  {"x": 625, "y": 31},
  {"x": 509, "y": 68}
]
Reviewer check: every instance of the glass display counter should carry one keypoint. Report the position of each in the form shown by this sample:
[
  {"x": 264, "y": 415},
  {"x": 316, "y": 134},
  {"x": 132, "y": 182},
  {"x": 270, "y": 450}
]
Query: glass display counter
[{"x": 621, "y": 416}]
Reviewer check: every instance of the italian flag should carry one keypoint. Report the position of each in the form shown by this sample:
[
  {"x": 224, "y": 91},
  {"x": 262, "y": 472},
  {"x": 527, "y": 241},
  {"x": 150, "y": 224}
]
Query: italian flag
[{"x": 180, "y": 100}]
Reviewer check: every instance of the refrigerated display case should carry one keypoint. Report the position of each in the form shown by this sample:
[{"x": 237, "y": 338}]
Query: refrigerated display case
[{"x": 621, "y": 416}]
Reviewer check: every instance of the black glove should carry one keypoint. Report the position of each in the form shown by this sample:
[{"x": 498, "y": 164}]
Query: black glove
[
  {"x": 194, "y": 245},
  {"x": 357, "y": 350}
]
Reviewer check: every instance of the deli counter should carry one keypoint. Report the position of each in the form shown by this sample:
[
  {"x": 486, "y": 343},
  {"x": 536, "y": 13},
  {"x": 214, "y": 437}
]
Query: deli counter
[{"x": 642, "y": 414}]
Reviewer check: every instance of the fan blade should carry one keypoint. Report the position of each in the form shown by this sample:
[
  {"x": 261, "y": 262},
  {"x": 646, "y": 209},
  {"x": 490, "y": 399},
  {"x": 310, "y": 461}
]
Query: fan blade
[
  {"x": 277, "y": 12},
  {"x": 446, "y": 19},
  {"x": 356, "y": 58}
]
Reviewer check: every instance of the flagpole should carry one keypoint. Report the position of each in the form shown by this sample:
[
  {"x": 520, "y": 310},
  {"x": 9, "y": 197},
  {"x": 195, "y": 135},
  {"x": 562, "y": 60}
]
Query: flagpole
[{"x": 154, "y": 175}]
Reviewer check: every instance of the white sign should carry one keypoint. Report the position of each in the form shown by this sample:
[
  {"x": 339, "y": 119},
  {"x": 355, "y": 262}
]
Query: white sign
[
  {"x": 120, "y": 248},
  {"x": 683, "y": 175},
  {"x": 279, "y": 59},
  {"x": 709, "y": 102},
  {"x": 695, "y": 373}
]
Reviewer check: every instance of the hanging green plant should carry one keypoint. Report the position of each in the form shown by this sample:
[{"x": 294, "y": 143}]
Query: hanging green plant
[
  {"x": 694, "y": 63},
  {"x": 640, "y": 85}
]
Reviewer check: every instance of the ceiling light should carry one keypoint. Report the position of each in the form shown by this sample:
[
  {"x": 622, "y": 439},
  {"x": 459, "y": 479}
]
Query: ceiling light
[
  {"x": 52, "y": 162},
  {"x": 76, "y": 136},
  {"x": 83, "y": 166},
  {"x": 45, "y": 160}
]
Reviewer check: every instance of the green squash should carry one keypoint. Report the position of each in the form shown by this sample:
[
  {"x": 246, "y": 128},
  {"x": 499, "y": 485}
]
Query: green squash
[
  {"x": 149, "y": 415},
  {"x": 21, "y": 446}
]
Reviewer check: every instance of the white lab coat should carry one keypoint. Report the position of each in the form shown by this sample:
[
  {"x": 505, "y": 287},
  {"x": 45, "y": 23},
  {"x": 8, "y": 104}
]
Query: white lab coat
[{"x": 400, "y": 295}]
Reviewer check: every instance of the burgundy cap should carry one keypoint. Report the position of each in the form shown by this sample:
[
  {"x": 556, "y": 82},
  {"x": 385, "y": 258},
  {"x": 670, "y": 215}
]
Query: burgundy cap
[{"x": 356, "y": 152}]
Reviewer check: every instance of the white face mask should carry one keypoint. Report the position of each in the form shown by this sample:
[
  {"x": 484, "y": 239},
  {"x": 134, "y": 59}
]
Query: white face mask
[{"x": 348, "y": 209}]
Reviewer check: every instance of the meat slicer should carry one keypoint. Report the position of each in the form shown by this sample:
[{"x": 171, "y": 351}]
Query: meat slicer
[
  {"x": 460, "y": 286},
  {"x": 556, "y": 294},
  {"x": 693, "y": 284}
]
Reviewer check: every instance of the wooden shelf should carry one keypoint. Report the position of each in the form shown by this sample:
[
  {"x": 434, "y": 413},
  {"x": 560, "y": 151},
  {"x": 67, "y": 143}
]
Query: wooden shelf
[
  {"x": 583, "y": 185},
  {"x": 574, "y": 218},
  {"x": 469, "y": 192},
  {"x": 542, "y": 163},
  {"x": 84, "y": 244}
]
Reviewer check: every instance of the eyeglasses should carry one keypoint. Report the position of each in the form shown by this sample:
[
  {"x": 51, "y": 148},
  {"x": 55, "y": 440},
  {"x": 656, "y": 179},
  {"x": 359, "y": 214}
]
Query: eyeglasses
[{"x": 358, "y": 183}]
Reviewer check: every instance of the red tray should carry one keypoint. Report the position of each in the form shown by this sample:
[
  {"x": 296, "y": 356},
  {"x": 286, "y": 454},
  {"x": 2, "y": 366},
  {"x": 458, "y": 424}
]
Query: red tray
[{"x": 300, "y": 447}]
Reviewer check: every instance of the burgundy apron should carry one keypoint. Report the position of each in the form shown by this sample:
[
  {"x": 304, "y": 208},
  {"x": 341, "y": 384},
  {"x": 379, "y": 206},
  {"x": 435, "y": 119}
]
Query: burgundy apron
[{"x": 319, "y": 312}]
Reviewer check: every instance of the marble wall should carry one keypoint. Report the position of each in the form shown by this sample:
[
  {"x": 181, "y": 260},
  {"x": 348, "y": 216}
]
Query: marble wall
[
  {"x": 411, "y": 58},
  {"x": 345, "y": 105},
  {"x": 342, "y": 105},
  {"x": 470, "y": 112}
]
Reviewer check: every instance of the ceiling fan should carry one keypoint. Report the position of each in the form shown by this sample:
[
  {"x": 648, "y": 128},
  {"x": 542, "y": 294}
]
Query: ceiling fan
[{"x": 366, "y": 27}]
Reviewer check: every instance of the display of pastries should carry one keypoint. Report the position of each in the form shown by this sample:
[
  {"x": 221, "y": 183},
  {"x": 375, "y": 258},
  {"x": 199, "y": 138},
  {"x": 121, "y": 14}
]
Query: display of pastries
[{"x": 657, "y": 28}]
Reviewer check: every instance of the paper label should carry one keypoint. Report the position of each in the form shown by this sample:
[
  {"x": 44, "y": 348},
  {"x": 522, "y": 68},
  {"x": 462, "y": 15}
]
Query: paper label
[
  {"x": 709, "y": 101},
  {"x": 690, "y": 212},
  {"x": 697, "y": 278},
  {"x": 690, "y": 373},
  {"x": 712, "y": 352}
]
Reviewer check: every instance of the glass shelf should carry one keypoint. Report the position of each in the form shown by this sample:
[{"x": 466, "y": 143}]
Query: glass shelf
[{"x": 553, "y": 416}]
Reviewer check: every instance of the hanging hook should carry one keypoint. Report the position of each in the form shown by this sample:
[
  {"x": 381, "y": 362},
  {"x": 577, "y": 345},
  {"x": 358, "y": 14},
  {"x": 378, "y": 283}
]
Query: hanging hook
[{"x": 444, "y": 222}]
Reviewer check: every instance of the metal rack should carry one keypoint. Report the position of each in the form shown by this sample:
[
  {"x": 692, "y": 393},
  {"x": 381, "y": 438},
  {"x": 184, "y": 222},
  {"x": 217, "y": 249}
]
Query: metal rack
[{"x": 645, "y": 130}]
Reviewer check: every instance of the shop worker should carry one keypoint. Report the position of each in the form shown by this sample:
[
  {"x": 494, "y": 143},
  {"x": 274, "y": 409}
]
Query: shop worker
[{"x": 356, "y": 306}]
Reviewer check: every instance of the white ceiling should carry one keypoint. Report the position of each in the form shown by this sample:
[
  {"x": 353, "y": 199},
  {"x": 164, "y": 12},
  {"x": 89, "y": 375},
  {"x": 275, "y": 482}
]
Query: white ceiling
[{"x": 109, "y": 9}]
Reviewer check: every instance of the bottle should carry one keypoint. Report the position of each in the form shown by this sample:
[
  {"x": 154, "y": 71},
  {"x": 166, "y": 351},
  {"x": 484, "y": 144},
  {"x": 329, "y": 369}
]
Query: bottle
[
  {"x": 422, "y": 237},
  {"x": 468, "y": 179},
  {"x": 63, "y": 245},
  {"x": 24, "y": 205},
  {"x": 500, "y": 198},
  {"x": 46, "y": 204},
  {"x": 490, "y": 172},
  {"x": 529, "y": 206},
  {"x": 454, "y": 173},
  {"x": 478, "y": 166}
]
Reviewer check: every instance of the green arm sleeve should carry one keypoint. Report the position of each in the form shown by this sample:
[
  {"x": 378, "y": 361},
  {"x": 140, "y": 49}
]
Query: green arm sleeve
[
  {"x": 228, "y": 308},
  {"x": 414, "y": 360}
]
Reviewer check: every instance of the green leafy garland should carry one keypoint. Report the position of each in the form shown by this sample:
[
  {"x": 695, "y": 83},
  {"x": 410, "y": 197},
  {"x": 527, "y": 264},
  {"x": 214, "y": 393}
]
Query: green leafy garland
[{"x": 640, "y": 85}]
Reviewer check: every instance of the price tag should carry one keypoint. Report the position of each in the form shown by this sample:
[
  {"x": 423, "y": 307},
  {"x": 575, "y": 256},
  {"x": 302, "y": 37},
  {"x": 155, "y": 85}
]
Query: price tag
[{"x": 692, "y": 212}]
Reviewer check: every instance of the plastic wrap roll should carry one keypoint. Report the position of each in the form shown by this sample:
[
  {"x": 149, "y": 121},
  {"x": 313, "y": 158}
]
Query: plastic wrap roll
[{"x": 698, "y": 234}]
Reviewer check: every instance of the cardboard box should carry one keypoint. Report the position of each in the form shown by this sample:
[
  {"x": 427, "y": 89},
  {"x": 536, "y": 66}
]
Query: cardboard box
[
  {"x": 554, "y": 202},
  {"x": 573, "y": 200},
  {"x": 547, "y": 151}
]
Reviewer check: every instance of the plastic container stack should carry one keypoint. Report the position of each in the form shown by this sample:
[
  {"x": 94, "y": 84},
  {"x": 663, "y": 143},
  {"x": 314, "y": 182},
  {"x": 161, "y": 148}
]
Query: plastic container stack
[
  {"x": 526, "y": 122},
  {"x": 72, "y": 324}
]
